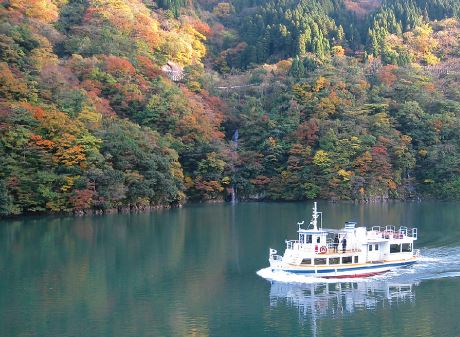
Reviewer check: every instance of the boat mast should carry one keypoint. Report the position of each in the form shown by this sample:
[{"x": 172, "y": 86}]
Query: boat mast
[{"x": 315, "y": 216}]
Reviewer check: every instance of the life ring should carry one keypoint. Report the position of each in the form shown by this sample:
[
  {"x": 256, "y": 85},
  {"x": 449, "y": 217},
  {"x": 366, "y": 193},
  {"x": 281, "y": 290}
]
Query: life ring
[{"x": 323, "y": 250}]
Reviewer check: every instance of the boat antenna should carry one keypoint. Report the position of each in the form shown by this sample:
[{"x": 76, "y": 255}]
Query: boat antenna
[{"x": 300, "y": 224}]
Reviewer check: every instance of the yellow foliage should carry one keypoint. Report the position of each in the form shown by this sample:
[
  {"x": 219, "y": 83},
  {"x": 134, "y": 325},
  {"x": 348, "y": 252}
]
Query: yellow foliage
[
  {"x": 223, "y": 9},
  {"x": 431, "y": 59},
  {"x": 406, "y": 139},
  {"x": 392, "y": 185},
  {"x": 423, "y": 153},
  {"x": 40, "y": 57},
  {"x": 90, "y": 116},
  {"x": 283, "y": 66},
  {"x": 382, "y": 120},
  {"x": 69, "y": 182},
  {"x": 226, "y": 180},
  {"x": 346, "y": 175},
  {"x": 321, "y": 158},
  {"x": 184, "y": 46},
  {"x": 320, "y": 84},
  {"x": 188, "y": 182},
  {"x": 271, "y": 142},
  {"x": 338, "y": 51}
]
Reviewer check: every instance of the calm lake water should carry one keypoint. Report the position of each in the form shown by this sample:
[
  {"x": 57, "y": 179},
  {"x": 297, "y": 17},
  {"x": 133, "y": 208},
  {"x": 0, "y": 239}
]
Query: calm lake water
[{"x": 193, "y": 272}]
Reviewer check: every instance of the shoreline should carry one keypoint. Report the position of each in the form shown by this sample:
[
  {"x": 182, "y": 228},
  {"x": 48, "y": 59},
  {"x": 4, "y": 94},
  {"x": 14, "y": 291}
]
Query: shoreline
[{"x": 153, "y": 208}]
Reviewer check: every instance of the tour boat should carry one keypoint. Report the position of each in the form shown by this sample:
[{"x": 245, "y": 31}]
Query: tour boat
[{"x": 348, "y": 252}]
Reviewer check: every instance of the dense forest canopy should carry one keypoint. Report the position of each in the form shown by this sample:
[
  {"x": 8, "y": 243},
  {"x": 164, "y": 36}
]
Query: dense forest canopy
[{"x": 113, "y": 104}]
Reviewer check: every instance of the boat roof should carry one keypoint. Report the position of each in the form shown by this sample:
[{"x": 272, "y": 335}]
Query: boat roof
[{"x": 322, "y": 231}]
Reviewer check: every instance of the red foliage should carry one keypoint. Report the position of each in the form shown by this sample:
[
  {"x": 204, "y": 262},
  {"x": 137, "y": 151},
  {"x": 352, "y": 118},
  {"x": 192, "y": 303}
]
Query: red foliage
[
  {"x": 386, "y": 75},
  {"x": 82, "y": 199},
  {"x": 148, "y": 68},
  {"x": 308, "y": 131},
  {"x": 92, "y": 86},
  {"x": 90, "y": 14},
  {"x": 260, "y": 181},
  {"x": 119, "y": 66},
  {"x": 381, "y": 165},
  {"x": 202, "y": 28},
  {"x": 102, "y": 105},
  {"x": 5, "y": 110}
]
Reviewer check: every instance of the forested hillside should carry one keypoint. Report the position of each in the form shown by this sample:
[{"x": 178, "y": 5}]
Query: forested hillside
[
  {"x": 128, "y": 104},
  {"x": 89, "y": 120}
]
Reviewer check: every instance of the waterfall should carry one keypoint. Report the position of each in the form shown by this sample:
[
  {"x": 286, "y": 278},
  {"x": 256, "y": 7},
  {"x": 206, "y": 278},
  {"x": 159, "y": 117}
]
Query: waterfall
[
  {"x": 235, "y": 138},
  {"x": 233, "y": 193}
]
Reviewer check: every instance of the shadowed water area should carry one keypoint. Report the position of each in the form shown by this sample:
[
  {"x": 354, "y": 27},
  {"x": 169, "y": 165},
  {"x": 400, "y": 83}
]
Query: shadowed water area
[{"x": 193, "y": 271}]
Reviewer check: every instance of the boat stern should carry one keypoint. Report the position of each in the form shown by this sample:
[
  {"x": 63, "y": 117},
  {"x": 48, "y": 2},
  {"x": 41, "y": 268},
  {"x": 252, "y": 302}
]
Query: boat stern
[{"x": 275, "y": 260}]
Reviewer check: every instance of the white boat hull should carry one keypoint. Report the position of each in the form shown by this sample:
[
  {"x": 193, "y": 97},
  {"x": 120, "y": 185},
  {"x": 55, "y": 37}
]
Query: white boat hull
[{"x": 361, "y": 270}]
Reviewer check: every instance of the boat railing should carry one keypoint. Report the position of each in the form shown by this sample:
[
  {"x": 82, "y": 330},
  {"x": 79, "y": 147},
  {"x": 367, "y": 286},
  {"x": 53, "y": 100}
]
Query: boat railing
[
  {"x": 376, "y": 229},
  {"x": 297, "y": 245},
  {"x": 390, "y": 229},
  {"x": 403, "y": 230},
  {"x": 390, "y": 232},
  {"x": 290, "y": 243}
]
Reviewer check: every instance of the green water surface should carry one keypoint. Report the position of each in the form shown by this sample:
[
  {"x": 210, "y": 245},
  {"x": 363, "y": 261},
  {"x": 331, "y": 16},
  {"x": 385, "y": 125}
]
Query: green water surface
[{"x": 193, "y": 272}]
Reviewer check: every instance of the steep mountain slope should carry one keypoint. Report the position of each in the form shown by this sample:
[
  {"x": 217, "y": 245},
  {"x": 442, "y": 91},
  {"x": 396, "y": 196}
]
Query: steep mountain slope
[{"x": 89, "y": 119}]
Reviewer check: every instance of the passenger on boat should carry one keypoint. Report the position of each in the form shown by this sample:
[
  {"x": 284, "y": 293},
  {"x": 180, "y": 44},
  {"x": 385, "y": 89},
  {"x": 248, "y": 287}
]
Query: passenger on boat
[
  {"x": 336, "y": 243},
  {"x": 344, "y": 245}
]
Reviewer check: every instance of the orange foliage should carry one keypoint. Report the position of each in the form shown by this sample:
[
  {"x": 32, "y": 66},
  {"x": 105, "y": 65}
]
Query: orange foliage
[
  {"x": 204, "y": 120},
  {"x": 131, "y": 17},
  {"x": 362, "y": 162},
  {"x": 43, "y": 143},
  {"x": 44, "y": 10},
  {"x": 69, "y": 154},
  {"x": 11, "y": 85},
  {"x": 37, "y": 112}
]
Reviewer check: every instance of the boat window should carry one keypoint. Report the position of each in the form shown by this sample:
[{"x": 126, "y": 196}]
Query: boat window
[
  {"x": 334, "y": 260},
  {"x": 376, "y": 247},
  {"x": 370, "y": 248},
  {"x": 406, "y": 247},
  {"x": 320, "y": 261},
  {"x": 306, "y": 261},
  {"x": 395, "y": 248},
  {"x": 301, "y": 238},
  {"x": 356, "y": 259},
  {"x": 318, "y": 239},
  {"x": 347, "y": 259},
  {"x": 309, "y": 239}
]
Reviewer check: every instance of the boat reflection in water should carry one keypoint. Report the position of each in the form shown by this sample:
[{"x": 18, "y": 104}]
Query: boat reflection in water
[{"x": 333, "y": 300}]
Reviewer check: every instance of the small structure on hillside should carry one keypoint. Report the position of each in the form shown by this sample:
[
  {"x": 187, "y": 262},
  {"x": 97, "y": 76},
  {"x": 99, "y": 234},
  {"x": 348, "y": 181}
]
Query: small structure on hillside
[{"x": 174, "y": 71}]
